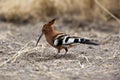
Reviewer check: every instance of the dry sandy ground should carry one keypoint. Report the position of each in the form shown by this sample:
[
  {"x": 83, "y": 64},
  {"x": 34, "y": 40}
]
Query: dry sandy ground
[{"x": 21, "y": 60}]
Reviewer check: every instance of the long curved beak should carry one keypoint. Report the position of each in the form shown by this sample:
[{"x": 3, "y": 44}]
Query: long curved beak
[{"x": 39, "y": 39}]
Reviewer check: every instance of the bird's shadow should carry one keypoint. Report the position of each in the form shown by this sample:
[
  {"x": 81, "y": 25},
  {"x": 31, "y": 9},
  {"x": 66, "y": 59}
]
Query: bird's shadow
[{"x": 58, "y": 56}]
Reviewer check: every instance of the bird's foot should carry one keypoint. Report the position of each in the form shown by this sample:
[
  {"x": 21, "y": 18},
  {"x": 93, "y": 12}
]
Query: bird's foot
[
  {"x": 57, "y": 56},
  {"x": 60, "y": 56}
]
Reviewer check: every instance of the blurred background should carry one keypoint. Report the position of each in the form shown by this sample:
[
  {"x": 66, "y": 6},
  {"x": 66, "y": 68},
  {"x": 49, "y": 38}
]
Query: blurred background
[{"x": 27, "y": 10}]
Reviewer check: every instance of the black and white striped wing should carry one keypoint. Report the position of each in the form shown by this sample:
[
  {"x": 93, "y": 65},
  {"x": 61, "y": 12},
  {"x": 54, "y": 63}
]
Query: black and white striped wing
[{"x": 64, "y": 39}]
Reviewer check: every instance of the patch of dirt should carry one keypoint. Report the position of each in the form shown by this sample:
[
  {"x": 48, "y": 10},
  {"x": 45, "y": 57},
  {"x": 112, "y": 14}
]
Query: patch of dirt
[{"x": 20, "y": 59}]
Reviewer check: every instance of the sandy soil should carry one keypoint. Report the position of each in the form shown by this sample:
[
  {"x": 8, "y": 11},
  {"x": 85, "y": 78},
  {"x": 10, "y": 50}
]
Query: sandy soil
[{"x": 21, "y": 60}]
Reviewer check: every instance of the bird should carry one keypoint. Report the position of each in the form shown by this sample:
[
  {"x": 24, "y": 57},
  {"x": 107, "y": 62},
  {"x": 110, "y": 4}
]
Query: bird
[{"x": 60, "y": 40}]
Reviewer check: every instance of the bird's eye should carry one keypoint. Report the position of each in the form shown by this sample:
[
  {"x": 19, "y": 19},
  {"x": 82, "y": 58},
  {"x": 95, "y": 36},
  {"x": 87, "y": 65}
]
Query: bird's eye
[{"x": 43, "y": 30}]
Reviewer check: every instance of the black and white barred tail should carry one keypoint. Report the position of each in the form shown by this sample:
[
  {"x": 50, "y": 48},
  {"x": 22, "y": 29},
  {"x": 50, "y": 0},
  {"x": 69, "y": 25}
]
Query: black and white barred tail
[{"x": 64, "y": 39}]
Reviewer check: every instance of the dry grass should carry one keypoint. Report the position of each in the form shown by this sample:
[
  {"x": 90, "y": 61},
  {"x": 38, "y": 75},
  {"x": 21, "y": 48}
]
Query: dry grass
[
  {"x": 20, "y": 57},
  {"x": 23, "y": 10},
  {"x": 112, "y": 6}
]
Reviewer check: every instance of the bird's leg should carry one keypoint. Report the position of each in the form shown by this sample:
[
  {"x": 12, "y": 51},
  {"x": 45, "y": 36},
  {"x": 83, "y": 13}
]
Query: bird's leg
[
  {"x": 58, "y": 51},
  {"x": 66, "y": 50}
]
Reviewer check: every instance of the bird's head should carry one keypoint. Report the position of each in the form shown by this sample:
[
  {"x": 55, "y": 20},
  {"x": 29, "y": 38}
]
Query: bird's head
[{"x": 46, "y": 29}]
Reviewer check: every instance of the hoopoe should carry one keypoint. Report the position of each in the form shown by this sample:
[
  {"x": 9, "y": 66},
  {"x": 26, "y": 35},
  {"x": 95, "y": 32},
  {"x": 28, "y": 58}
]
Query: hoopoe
[{"x": 60, "y": 40}]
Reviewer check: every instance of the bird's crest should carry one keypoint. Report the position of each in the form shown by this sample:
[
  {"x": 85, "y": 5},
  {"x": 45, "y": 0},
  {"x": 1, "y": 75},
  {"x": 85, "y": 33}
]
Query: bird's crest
[{"x": 51, "y": 22}]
